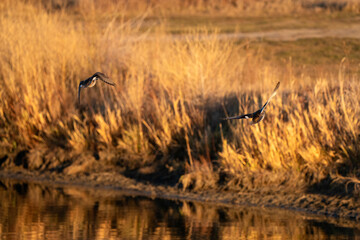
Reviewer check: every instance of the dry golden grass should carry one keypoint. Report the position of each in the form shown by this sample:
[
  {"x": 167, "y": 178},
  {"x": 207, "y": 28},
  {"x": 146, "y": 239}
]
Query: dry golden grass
[{"x": 167, "y": 106}]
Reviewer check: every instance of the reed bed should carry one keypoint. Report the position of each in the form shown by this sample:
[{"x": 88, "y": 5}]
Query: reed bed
[{"x": 166, "y": 109}]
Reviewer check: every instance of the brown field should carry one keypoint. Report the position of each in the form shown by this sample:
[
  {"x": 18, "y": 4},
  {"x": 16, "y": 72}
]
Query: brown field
[{"x": 162, "y": 121}]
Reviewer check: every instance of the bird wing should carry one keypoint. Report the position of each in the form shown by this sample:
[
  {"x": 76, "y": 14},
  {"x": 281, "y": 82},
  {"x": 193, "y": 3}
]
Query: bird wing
[
  {"x": 272, "y": 95},
  {"x": 110, "y": 83},
  {"x": 247, "y": 116},
  {"x": 103, "y": 78}
]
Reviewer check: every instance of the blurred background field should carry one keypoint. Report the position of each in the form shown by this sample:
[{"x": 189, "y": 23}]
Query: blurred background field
[{"x": 176, "y": 79}]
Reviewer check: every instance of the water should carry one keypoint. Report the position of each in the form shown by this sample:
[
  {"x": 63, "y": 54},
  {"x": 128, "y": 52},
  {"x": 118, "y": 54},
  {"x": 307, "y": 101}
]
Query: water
[{"x": 34, "y": 211}]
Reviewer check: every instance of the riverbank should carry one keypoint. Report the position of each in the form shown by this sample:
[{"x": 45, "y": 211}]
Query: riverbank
[
  {"x": 344, "y": 207},
  {"x": 46, "y": 209}
]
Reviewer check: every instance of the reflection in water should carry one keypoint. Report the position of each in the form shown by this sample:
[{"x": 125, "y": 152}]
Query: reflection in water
[{"x": 33, "y": 211}]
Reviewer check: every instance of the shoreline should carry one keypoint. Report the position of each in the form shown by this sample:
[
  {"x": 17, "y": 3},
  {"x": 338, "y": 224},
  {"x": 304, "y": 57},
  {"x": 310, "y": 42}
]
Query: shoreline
[{"x": 334, "y": 207}]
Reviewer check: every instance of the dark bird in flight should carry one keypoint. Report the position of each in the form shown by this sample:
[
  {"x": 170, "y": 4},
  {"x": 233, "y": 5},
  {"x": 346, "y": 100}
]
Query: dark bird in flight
[
  {"x": 91, "y": 81},
  {"x": 259, "y": 114}
]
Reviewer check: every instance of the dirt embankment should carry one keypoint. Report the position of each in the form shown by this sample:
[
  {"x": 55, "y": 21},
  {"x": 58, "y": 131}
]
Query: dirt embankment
[{"x": 333, "y": 206}]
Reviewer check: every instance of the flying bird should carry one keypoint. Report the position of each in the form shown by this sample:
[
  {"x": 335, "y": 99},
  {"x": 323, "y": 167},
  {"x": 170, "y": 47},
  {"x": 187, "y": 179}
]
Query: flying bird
[
  {"x": 259, "y": 114},
  {"x": 91, "y": 81}
]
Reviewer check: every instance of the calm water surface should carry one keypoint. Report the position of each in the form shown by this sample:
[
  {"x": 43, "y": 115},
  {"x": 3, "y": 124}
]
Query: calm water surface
[{"x": 35, "y": 211}]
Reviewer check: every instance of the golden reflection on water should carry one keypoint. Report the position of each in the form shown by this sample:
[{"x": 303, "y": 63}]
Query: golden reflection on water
[{"x": 34, "y": 211}]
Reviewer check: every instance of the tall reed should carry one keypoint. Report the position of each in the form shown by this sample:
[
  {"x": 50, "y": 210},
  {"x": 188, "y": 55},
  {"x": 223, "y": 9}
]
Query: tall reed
[{"x": 166, "y": 108}]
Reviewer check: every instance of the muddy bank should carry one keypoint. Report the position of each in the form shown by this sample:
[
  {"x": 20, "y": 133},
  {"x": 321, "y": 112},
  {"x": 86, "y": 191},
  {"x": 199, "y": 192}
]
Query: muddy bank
[
  {"x": 116, "y": 213},
  {"x": 347, "y": 207}
]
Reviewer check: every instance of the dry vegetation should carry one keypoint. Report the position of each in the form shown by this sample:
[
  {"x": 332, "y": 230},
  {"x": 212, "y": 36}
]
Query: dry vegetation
[{"x": 165, "y": 111}]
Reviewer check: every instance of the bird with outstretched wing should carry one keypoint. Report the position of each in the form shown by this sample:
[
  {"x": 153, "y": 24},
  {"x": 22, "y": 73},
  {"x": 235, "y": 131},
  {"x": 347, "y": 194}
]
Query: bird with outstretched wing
[
  {"x": 259, "y": 114},
  {"x": 91, "y": 81}
]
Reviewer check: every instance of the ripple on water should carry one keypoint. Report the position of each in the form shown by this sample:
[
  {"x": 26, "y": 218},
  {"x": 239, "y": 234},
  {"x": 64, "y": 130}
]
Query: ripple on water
[{"x": 35, "y": 211}]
